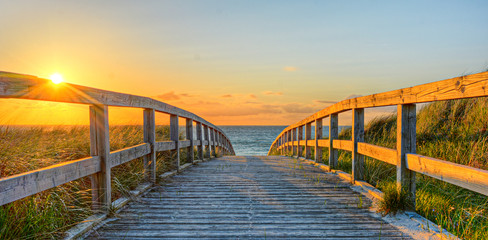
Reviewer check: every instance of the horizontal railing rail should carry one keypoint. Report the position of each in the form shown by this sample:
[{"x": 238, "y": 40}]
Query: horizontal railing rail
[
  {"x": 98, "y": 166},
  {"x": 291, "y": 139}
]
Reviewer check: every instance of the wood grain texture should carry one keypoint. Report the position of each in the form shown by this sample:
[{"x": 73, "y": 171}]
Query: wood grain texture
[
  {"x": 333, "y": 135},
  {"x": 474, "y": 179},
  {"x": 249, "y": 198},
  {"x": 22, "y": 185},
  {"x": 150, "y": 138},
  {"x": 323, "y": 143},
  {"x": 165, "y": 146},
  {"x": 387, "y": 155},
  {"x": 318, "y": 137},
  {"x": 189, "y": 136},
  {"x": 128, "y": 154},
  {"x": 174, "y": 132},
  {"x": 308, "y": 141},
  {"x": 357, "y": 136},
  {"x": 103, "y": 178},
  {"x": 406, "y": 143},
  {"x": 343, "y": 144}
]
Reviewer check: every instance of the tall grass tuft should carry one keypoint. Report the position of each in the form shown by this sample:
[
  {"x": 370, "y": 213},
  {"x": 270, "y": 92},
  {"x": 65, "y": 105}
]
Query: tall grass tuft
[
  {"x": 48, "y": 214},
  {"x": 455, "y": 131}
]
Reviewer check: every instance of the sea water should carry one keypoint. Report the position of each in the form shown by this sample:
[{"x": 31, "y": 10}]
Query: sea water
[{"x": 256, "y": 140}]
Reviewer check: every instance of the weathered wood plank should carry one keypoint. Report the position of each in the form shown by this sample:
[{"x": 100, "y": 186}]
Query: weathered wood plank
[
  {"x": 333, "y": 135},
  {"x": 174, "y": 132},
  {"x": 357, "y": 136},
  {"x": 185, "y": 143},
  {"x": 467, "y": 177},
  {"x": 189, "y": 136},
  {"x": 213, "y": 200},
  {"x": 342, "y": 144},
  {"x": 384, "y": 154},
  {"x": 104, "y": 183},
  {"x": 165, "y": 146},
  {"x": 323, "y": 143},
  {"x": 308, "y": 141},
  {"x": 22, "y": 185},
  {"x": 128, "y": 154},
  {"x": 318, "y": 137},
  {"x": 150, "y": 138},
  {"x": 406, "y": 143}
]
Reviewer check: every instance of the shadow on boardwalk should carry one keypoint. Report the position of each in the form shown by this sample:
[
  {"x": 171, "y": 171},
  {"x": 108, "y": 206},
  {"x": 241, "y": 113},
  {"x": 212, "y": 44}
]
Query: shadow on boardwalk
[{"x": 249, "y": 198}]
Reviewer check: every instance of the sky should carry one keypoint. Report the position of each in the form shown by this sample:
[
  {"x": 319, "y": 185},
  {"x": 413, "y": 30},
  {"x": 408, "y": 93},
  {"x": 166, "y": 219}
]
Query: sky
[{"x": 237, "y": 62}]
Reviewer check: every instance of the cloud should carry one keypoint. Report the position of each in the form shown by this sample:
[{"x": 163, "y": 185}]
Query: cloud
[
  {"x": 169, "y": 96},
  {"x": 252, "y": 96},
  {"x": 290, "y": 69},
  {"x": 226, "y": 96},
  {"x": 270, "y": 93},
  {"x": 325, "y": 101}
]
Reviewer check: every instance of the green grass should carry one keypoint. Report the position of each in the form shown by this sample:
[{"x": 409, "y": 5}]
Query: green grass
[
  {"x": 455, "y": 131},
  {"x": 48, "y": 214},
  {"x": 449, "y": 130}
]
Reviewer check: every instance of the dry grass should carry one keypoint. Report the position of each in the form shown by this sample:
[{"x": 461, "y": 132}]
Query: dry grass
[{"x": 48, "y": 214}]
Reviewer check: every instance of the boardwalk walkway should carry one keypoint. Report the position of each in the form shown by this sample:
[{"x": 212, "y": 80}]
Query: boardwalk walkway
[{"x": 249, "y": 198}]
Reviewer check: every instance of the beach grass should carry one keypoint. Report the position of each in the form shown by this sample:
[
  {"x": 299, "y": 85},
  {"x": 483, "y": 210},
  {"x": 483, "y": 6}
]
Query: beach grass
[{"x": 48, "y": 214}]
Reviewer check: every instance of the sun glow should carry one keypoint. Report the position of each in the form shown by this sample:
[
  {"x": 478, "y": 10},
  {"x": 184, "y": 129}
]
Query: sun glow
[{"x": 56, "y": 78}]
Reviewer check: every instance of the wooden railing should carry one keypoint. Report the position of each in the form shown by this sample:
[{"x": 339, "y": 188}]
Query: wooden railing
[
  {"x": 99, "y": 165},
  {"x": 291, "y": 139}
]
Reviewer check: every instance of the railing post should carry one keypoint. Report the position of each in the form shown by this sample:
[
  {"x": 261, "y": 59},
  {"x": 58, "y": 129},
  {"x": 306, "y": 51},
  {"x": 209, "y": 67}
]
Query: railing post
[
  {"x": 200, "y": 137},
  {"x": 150, "y": 137},
  {"x": 357, "y": 136},
  {"x": 333, "y": 134},
  {"x": 300, "y": 137},
  {"x": 293, "y": 144},
  {"x": 308, "y": 136},
  {"x": 212, "y": 138},
  {"x": 280, "y": 144},
  {"x": 207, "y": 138},
  {"x": 189, "y": 136},
  {"x": 318, "y": 135},
  {"x": 100, "y": 146},
  {"x": 406, "y": 143},
  {"x": 175, "y": 134}
]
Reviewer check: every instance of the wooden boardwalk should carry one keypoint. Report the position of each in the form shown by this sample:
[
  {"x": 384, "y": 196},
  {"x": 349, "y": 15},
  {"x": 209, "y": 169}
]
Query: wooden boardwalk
[{"x": 249, "y": 198}]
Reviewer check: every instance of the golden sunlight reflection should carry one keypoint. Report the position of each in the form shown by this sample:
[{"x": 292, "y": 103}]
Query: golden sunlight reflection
[{"x": 56, "y": 78}]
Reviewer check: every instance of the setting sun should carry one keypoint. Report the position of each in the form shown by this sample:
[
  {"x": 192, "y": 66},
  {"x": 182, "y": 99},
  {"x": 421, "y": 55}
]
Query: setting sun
[{"x": 56, "y": 78}]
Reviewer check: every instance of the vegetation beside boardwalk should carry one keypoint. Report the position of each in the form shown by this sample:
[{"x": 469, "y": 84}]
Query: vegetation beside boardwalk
[
  {"x": 454, "y": 130},
  {"x": 48, "y": 214}
]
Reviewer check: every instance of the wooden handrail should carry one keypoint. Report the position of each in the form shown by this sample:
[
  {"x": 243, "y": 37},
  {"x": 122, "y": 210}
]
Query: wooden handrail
[
  {"x": 98, "y": 166},
  {"x": 404, "y": 157}
]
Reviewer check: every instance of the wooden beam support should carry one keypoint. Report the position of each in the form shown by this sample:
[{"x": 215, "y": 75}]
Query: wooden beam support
[
  {"x": 318, "y": 136},
  {"x": 100, "y": 146},
  {"x": 308, "y": 136},
  {"x": 200, "y": 146},
  {"x": 174, "y": 132},
  {"x": 357, "y": 136},
  {"x": 333, "y": 134},
  {"x": 207, "y": 138},
  {"x": 189, "y": 136},
  {"x": 300, "y": 137},
  {"x": 406, "y": 143},
  {"x": 150, "y": 137}
]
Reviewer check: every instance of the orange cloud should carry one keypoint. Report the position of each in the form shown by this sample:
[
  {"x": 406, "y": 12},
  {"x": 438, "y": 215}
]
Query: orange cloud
[
  {"x": 270, "y": 93},
  {"x": 226, "y": 96},
  {"x": 169, "y": 96}
]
